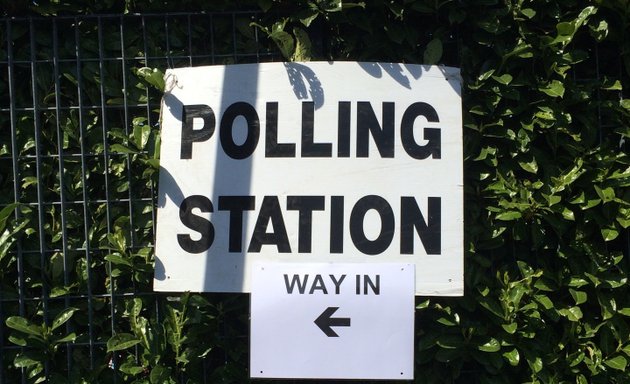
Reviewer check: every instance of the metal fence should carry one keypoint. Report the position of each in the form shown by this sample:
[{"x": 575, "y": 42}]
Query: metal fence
[{"x": 77, "y": 113}]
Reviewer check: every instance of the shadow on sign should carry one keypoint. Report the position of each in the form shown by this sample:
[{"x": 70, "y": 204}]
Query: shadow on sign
[{"x": 305, "y": 83}]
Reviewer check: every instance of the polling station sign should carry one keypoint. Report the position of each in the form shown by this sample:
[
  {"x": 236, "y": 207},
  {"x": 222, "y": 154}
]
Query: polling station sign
[{"x": 326, "y": 162}]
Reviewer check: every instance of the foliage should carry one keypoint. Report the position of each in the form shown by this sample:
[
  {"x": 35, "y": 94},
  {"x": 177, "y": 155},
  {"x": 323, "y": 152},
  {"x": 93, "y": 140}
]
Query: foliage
[
  {"x": 40, "y": 340},
  {"x": 547, "y": 173}
]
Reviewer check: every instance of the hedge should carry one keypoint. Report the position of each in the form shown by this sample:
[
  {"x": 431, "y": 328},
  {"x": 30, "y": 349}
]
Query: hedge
[{"x": 547, "y": 203}]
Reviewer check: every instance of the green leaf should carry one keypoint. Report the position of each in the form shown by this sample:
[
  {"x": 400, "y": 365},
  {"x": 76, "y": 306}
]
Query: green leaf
[
  {"x": 450, "y": 341},
  {"x": 131, "y": 368},
  {"x": 485, "y": 151},
  {"x": 572, "y": 314},
  {"x": 5, "y": 213},
  {"x": 433, "y": 52},
  {"x": 7, "y": 239},
  {"x": 554, "y": 89},
  {"x": 118, "y": 260},
  {"x": 504, "y": 79},
  {"x": 491, "y": 345},
  {"x": 609, "y": 233},
  {"x": 424, "y": 304},
  {"x": 61, "y": 291},
  {"x": 302, "y": 46},
  {"x": 26, "y": 360},
  {"x": 119, "y": 148},
  {"x": 446, "y": 321},
  {"x": 552, "y": 199},
  {"x": 612, "y": 86},
  {"x": 21, "y": 341},
  {"x": 153, "y": 163},
  {"x": 513, "y": 357},
  {"x": 285, "y": 43},
  {"x": 590, "y": 203},
  {"x": 117, "y": 241},
  {"x": 530, "y": 166},
  {"x": 579, "y": 296},
  {"x": 544, "y": 301},
  {"x": 607, "y": 305},
  {"x": 528, "y": 12},
  {"x": 623, "y": 221},
  {"x": 509, "y": 328},
  {"x": 63, "y": 317},
  {"x": 565, "y": 29},
  {"x": 121, "y": 341},
  {"x": 569, "y": 177},
  {"x": 161, "y": 375},
  {"x": 491, "y": 305},
  {"x": 28, "y": 181},
  {"x": 568, "y": 214},
  {"x": 617, "y": 362},
  {"x": 544, "y": 285},
  {"x": 586, "y": 12},
  {"x": 606, "y": 194},
  {"x": 345, "y": 5},
  {"x": 34, "y": 371},
  {"x": 21, "y": 324},
  {"x": 153, "y": 76},
  {"x": 308, "y": 17},
  {"x": 576, "y": 358},
  {"x": 509, "y": 215},
  {"x": 536, "y": 365},
  {"x": 484, "y": 76},
  {"x": 141, "y": 132},
  {"x": 593, "y": 278},
  {"x": 69, "y": 338},
  {"x": 330, "y": 5}
]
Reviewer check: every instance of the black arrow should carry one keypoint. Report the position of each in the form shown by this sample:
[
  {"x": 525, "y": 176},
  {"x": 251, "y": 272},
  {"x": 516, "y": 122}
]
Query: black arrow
[{"x": 325, "y": 321}]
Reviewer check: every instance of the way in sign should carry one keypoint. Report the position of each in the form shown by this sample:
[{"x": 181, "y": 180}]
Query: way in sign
[{"x": 323, "y": 284}]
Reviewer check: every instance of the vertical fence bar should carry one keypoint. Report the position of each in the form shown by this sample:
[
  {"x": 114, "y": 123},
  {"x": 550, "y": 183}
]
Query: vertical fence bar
[
  {"x": 234, "y": 48},
  {"x": 189, "y": 29},
  {"x": 62, "y": 184},
  {"x": 145, "y": 43},
  {"x": 148, "y": 114},
  {"x": 103, "y": 107},
  {"x": 625, "y": 145},
  {"x": 256, "y": 39},
  {"x": 40, "y": 193},
  {"x": 15, "y": 160},
  {"x": 212, "y": 42},
  {"x": 16, "y": 173},
  {"x": 84, "y": 188},
  {"x": 123, "y": 60},
  {"x": 169, "y": 60}
]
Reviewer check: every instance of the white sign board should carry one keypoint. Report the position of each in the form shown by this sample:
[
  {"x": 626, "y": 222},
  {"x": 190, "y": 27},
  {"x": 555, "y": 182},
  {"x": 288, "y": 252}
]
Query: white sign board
[
  {"x": 332, "y": 321},
  {"x": 339, "y": 162}
]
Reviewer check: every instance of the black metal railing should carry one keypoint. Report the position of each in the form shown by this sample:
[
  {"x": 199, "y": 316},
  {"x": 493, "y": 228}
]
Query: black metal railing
[{"x": 72, "y": 95}]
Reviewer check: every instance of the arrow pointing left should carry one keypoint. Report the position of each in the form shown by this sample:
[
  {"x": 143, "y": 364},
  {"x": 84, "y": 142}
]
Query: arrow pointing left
[{"x": 325, "y": 321}]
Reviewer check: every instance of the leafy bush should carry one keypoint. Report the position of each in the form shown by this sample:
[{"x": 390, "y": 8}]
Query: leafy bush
[{"x": 546, "y": 186}]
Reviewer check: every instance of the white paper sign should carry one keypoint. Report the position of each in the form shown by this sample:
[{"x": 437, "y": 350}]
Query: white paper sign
[
  {"x": 332, "y": 321},
  {"x": 309, "y": 162}
]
